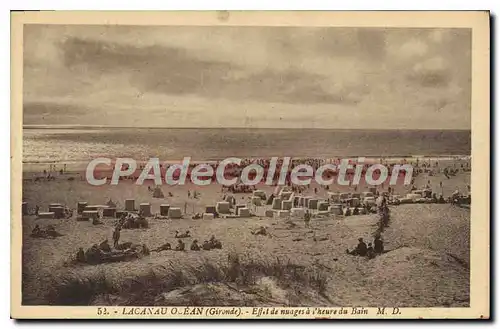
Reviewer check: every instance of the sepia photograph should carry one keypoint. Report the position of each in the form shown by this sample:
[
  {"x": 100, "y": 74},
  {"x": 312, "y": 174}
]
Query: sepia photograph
[{"x": 240, "y": 168}]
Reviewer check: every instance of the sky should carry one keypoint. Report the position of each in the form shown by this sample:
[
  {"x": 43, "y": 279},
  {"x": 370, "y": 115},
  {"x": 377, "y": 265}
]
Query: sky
[{"x": 265, "y": 77}]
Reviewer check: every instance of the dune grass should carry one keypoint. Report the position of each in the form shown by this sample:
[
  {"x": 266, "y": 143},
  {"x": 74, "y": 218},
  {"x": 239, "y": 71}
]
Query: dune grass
[{"x": 73, "y": 289}]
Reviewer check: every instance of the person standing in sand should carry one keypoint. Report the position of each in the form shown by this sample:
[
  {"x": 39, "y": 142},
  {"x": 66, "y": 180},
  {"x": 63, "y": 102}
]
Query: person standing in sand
[
  {"x": 116, "y": 235},
  {"x": 307, "y": 218},
  {"x": 378, "y": 244}
]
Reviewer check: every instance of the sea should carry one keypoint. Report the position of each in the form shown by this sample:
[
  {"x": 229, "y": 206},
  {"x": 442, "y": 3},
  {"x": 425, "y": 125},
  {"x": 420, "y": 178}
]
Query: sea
[{"x": 79, "y": 145}]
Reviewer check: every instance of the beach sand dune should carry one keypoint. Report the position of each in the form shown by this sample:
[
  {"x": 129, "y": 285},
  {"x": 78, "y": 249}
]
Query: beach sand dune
[{"x": 427, "y": 265}]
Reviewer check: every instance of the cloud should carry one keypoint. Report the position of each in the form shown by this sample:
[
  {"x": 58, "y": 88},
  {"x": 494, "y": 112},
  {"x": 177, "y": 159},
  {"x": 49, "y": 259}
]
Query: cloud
[
  {"x": 433, "y": 72},
  {"x": 310, "y": 76},
  {"x": 174, "y": 71},
  {"x": 412, "y": 48}
]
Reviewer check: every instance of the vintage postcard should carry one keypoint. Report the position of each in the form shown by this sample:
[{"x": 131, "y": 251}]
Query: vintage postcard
[{"x": 250, "y": 165}]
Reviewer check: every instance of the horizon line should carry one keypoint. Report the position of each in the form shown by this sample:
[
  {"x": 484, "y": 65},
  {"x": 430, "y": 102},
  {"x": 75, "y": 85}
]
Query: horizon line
[{"x": 76, "y": 126}]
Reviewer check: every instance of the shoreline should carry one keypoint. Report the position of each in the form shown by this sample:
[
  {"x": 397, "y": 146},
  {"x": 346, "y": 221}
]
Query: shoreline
[
  {"x": 78, "y": 166},
  {"x": 98, "y": 127}
]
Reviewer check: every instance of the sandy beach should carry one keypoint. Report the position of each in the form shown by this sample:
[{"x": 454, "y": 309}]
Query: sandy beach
[{"x": 428, "y": 243}]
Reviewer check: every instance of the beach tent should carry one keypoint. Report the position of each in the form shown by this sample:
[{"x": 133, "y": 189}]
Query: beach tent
[
  {"x": 369, "y": 201},
  {"x": 270, "y": 200},
  {"x": 259, "y": 193},
  {"x": 355, "y": 195},
  {"x": 366, "y": 195},
  {"x": 344, "y": 196},
  {"x": 334, "y": 196}
]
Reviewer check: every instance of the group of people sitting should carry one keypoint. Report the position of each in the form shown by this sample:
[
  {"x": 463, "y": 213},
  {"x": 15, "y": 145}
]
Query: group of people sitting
[
  {"x": 458, "y": 198},
  {"x": 261, "y": 230},
  {"x": 357, "y": 210},
  {"x": 49, "y": 233},
  {"x": 370, "y": 250},
  {"x": 210, "y": 244},
  {"x": 130, "y": 221},
  {"x": 103, "y": 252}
]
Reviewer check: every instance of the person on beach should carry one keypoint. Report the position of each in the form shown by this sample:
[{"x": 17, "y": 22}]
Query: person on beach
[
  {"x": 165, "y": 246},
  {"x": 36, "y": 231},
  {"x": 68, "y": 213},
  {"x": 93, "y": 255},
  {"x": 347, "y": 211},
  {"x": 214, "y": 243},
  {"x": 381, "y": 202},
  {"x": 180, "y": 246},
  {"x": 116, "y": 235},
  {"x": 145, "y": 250},
  {"x": 307, "y": 218},
  {"x": 360, "y": 250},
  {"x": 195, "y": 246},
  {"x": 370, "y": 253},
  {"x": 378, "y": 244},
  {"x": 260, "y": 231},
  {"x": 96, "y": 221},
  {"x": 206, "y": 245},
  {"x": 80, "y": 255},
  {"x": 51, "y": 231},
  {"x": 187, "y": 234},
  {"x": 104, "y": 246}
]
